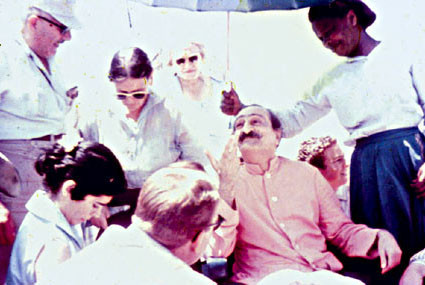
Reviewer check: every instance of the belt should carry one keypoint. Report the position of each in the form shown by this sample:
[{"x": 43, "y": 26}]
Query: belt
[{"x": 48, "y": 138}]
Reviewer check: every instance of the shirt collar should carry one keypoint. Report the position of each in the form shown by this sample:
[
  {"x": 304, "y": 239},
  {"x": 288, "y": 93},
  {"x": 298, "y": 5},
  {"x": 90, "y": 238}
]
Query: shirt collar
[
  {"x": 33, "y": 56},
  {"x": 44, "y": 208},
  {"x": 255, "y": 169}
]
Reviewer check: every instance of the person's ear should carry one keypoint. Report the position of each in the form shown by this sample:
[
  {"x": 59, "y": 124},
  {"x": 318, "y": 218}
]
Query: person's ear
[
  {"x": 32, "y": 21},
  {"x": 197, "y": 240},
  {"x": 278, "y": 134},
  {"x": 150, "y": 79},
  {"x": 352, "y": 18},
  {"x": 67, "y": 188}
]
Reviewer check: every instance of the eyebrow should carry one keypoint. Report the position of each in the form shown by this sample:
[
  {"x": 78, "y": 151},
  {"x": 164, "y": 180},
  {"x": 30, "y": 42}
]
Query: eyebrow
[
  {"x": 137, "y": 90},
  {"x": 250, "y": 115}
]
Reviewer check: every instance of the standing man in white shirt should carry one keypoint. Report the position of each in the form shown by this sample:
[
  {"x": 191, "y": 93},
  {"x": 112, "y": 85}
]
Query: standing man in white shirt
[{"x": 33, "y": 100}]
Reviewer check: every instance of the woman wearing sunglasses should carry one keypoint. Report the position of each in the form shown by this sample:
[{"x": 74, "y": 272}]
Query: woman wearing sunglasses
[
  {"x": 197, "y": 95},
  {"x": 144, "y": 134},
  {"x": 77, "y": 184}
]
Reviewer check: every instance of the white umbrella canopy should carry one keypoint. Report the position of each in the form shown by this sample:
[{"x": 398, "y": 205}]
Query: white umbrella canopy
[
  {"x": 234, "y": 5},
  {"x": 231, "y": 6}
]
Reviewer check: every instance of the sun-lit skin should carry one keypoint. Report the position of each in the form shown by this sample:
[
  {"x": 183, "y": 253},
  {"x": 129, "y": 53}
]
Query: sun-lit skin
[
  {"x": 193, "y": 250},
  {"x": 261, "y": 148},
  {"x": 335, "y": 170},
  {"x": 344, "y": 36},
  {"x": 131, "y": 85},
  {"x": 86, "y": 209},
  {"x": 78, "y": 211},
  {"x": 191, "y": 68},
  {"x": 43, "y": 38}
]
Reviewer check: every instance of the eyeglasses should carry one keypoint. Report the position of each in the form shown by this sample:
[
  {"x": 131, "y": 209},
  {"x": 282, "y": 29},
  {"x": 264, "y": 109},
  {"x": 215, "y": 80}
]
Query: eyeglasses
[
  {"x": 191, "y": 59},
  {"x": 135, "y": 95},
  {"x": 62, "y": 28},
  {"x": 218, "y": 223}
]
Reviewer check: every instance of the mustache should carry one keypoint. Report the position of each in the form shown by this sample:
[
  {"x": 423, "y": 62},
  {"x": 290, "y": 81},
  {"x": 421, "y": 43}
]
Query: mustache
[{"x": 251, "y": 134}]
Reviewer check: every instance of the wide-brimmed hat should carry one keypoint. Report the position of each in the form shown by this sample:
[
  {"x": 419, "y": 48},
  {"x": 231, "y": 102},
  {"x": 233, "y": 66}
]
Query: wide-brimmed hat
[
  {"x": 365, "y": 15},
  {"x": 61, "y": 10}
]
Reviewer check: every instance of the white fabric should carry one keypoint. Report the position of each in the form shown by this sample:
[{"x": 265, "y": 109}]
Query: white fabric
[
  {"x": 343, "y": 194},
  {"x": 124, "y": 256},
  {"x": 43, "y": 224},
  {"x": 209, "y": 126},
  {"x": 63, "y": 11},
  {"x": 382, "y": 91},
  {"x": 418, "y": 257},
  {"x": 30, "y": 106},
  {"x": 157, "y": 139},
  {"x": 321, "y": 277}
]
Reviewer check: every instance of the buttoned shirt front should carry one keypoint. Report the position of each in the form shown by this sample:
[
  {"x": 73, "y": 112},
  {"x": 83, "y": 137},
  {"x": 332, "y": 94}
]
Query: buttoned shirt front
[
  {"x": 285, "y": 217},
  {"x": 33, "y": 102}
]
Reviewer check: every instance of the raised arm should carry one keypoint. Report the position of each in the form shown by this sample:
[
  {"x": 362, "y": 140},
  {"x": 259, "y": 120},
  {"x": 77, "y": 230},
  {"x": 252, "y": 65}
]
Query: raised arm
[{"x": 227, "y": 168}]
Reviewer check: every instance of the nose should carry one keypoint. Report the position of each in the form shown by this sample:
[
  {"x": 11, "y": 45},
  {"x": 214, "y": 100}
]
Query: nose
[
  {"x": 96, "y": 212},
  {"x": 67, "y": 35},
  {"x": 246, "y": 128}
]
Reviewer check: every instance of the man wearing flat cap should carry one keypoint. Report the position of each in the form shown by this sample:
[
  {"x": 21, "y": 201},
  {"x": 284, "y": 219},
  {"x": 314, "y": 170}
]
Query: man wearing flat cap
[
  {"x": 33, "y": 100},
  {"x": 378, "y": 94}
]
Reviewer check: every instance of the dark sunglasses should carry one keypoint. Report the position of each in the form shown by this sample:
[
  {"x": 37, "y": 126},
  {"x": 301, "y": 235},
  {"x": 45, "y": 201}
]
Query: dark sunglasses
[
  {"x": 191, "y": 59},
  {"x": 135, "y": 95},
  {"x": 62, "y": 28}
]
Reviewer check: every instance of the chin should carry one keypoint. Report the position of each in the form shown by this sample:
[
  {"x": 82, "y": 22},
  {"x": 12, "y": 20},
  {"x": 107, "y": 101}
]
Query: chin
[{"x": 189, "y": 76}]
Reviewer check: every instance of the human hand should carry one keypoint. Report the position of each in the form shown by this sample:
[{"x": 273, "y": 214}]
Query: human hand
[
  {"x": 101, "y": 221},
  {"x": 230, "y": 103},
  {"x": 72, "y": 93},
  {"x": 419, "y": 183},
  {"x": 227, "y": 168},
  {"x": 388, "y": 250},
  {"x": 7, "y": 227}
]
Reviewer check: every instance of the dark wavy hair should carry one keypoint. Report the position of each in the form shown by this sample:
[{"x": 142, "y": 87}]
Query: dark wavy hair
[
  {"x": 94, "y": 168},
  {"x": 340, "y": 8},
  {"x": 130, "y": 63}
]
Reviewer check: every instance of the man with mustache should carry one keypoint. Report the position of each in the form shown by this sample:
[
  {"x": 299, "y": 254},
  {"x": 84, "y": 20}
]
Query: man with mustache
[
  {"x": 33, "y": 99},
  {"x": 280, "y": 213},
  {"x": 380, "y": 107}
]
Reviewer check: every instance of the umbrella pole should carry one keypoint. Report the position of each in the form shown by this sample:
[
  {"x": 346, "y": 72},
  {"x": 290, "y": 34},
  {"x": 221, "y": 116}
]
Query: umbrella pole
[
  {"x": 129, "y": 15},
  {"x": 227, "y": 73}
]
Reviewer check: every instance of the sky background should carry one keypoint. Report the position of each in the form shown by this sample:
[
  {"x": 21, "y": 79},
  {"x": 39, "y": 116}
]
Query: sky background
[{"x": 274, "y": 56}]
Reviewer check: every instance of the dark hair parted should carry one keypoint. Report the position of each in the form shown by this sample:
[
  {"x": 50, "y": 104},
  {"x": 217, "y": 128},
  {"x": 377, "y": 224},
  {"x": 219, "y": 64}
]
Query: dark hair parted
[
  {"x": 130, "y": 63},
  {"x": 340, "y": 8},
  {"x": 94, "y": 168},
  {"x": 276, "y": 124}
]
